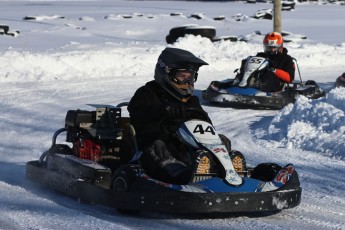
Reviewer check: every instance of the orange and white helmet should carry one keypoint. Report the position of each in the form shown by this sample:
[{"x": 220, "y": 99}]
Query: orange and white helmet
[{"x": 273, "y": 43}]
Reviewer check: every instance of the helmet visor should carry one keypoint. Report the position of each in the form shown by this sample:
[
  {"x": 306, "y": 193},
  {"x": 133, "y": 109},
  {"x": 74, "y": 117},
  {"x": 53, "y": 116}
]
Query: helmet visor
[
  {"x": 183, "y": 76},
  {"x": 272, "y": 49}
]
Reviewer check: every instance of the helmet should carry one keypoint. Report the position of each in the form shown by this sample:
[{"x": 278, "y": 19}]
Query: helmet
[
  {"x": 176, "y": 71},
  {"x": 273, "y": 43}
]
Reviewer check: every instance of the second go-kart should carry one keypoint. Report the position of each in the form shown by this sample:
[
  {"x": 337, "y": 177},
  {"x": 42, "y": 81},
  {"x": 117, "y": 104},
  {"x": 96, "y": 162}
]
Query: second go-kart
[{"x": 234, "y": 94}]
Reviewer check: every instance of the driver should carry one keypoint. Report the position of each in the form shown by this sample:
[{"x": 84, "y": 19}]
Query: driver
[
  {"x": 281, "y": 68},
  {"x": 159, "y": 107}
]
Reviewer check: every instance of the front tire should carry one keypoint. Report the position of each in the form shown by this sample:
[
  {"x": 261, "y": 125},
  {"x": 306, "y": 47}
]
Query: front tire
[{"x": 265, "y": 171}]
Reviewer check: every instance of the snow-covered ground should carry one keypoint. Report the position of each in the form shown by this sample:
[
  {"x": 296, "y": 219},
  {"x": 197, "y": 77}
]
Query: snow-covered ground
[{"x": 79, "y": 52}]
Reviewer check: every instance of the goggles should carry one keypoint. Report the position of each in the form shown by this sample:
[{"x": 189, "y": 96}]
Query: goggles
[{"x": 183, "y": 76}]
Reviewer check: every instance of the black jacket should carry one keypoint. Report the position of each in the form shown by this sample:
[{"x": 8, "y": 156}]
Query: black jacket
[{"x": 147, "y": 111}]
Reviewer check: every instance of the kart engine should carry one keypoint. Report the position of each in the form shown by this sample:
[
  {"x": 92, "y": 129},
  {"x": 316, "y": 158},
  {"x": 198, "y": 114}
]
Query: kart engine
[{"x": 97, "y": 135}]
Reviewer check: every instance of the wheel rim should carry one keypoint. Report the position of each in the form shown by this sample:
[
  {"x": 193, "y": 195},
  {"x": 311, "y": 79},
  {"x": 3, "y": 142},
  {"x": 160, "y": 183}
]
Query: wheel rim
[{"x": 120, "y": 185}]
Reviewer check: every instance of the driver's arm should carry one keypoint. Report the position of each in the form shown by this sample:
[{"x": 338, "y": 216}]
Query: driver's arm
[{"x": 286, "y": 72}]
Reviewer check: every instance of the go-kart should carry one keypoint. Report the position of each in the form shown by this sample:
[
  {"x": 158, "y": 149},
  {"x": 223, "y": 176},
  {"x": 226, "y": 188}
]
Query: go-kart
[
  {"x": 247, "y": 93},
  {"x": 102, "y": 167}
]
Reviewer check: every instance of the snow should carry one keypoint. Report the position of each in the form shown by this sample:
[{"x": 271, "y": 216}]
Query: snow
[{"x": 89, "y": 52}]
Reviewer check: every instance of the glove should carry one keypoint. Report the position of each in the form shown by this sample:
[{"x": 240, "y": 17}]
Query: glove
[{"x": 174, "y": 110}]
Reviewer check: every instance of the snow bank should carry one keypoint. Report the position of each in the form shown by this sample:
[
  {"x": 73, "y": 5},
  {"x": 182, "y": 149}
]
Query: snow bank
[{"x": 314, "y": 125}]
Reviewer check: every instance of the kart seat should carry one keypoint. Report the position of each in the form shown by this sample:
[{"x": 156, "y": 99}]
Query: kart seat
[{"x": 129, "y": 135}]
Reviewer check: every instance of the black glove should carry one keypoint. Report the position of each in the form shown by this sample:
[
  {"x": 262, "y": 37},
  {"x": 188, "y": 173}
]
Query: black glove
[
  {"x": 174, "y": 110},
  {"x": 270, "y": 67},
  {"x": 266, "y": 64}
]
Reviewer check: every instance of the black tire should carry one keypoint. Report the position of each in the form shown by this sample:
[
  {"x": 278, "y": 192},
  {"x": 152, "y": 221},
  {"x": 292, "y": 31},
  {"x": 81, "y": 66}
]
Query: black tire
[
  {"x": 268, "y": 16},
  {"x": 225, "y": 38},
  {"x": 310, "y": 82},
  {"x": 207, "y": 32},
  {"x": 176, "y": 14},
  {"x": 288, "y": 5},
  {"x": 124, "y": 177},
  {"x": 196, "y": 16},
  {"x": 29, "y": 18},
  {"x": 265, "y": 171},
  {"x": 122, "y": 181},
  {"x": 127, "y": 16},
  {"x": 177, "y": 32},
  {"x": 5, "y": 28},
  {"x": 169, "y": 39},
  {"x": 61, "y": 149},
  {"x": 56, "y": 149},
  {"x": 219, "y": 18},
  {"x": 339, "y": 81}
]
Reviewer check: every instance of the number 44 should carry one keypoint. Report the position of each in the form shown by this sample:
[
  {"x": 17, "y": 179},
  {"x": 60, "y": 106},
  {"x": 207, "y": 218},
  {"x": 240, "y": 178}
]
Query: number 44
[{"x": 201, "y": 130}]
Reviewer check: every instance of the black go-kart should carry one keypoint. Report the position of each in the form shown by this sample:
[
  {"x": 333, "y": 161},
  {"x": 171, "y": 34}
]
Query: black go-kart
[{"x": 98, "y": 163}]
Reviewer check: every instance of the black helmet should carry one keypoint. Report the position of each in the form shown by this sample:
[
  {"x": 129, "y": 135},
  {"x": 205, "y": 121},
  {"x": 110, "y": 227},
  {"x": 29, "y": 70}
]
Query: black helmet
[{"x": 170, "y": 62}]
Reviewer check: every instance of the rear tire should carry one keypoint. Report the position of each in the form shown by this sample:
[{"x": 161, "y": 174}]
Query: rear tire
[
  {"x": 310, "y": 82},
  {"x": 61, "y": 149},
  {"x": 122, "y": 181}
]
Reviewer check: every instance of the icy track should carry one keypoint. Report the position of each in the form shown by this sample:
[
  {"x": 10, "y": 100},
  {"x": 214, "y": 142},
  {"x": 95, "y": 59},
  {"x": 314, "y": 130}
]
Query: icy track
[{"x": 93, "y": 55}]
